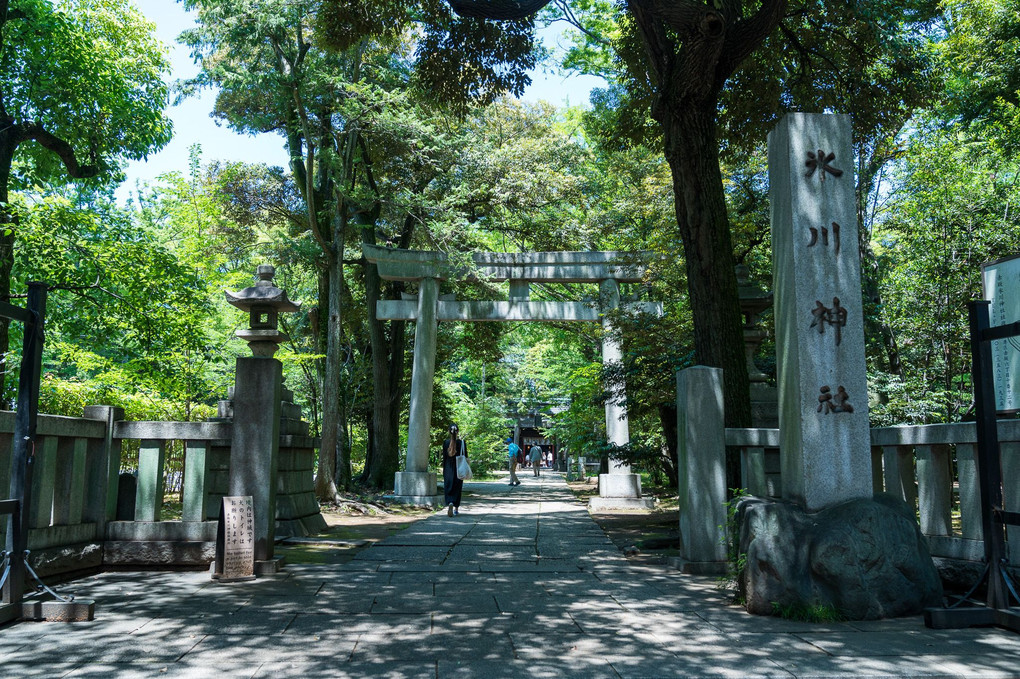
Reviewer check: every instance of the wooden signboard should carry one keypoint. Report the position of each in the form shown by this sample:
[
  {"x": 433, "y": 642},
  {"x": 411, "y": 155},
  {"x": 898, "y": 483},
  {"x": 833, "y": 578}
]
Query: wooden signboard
[{"x": 235, "y": 540}]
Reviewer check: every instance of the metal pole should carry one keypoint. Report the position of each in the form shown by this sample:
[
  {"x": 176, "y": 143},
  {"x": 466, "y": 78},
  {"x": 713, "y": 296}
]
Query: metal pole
[
  {"x": 23, "y": 446},
  {"x": 988, "y": 469}
]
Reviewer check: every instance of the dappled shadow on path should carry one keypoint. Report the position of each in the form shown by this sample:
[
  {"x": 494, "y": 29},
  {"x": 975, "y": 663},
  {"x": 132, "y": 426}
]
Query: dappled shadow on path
[{"x": 522, "y": 583}]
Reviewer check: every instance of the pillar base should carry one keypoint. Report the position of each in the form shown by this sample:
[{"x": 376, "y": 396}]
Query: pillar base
[
  {"x": 416, "y": 500},
  {"x": 416, "y": 488},
  {"x": 79, "y": 610},
  {"x": 619, "y": 485},
  {"x": 611, "y": 504}
]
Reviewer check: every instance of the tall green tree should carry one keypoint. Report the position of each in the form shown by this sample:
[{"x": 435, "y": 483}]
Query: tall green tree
[
  {"x": 711, "y": 73},
  {"x": 361, "y": 155},
  {"x": 81, "y": 89}
]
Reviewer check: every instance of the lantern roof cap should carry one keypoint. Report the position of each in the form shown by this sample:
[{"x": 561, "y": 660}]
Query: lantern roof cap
[{"x": 263, "y": 293}]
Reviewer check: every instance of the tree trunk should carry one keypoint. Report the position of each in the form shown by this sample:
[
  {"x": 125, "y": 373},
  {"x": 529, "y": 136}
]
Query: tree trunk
[
  {"x": 692, "y": 152},
  {"x": 9, "y": 140},
  {"x": 383, "y": 456},
  {"x": 667, "y": 419},
  {"x": 329, "y": 470}
]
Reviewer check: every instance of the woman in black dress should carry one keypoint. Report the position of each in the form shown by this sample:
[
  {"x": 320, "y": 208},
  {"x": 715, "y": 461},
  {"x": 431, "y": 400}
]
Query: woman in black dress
[{"x": 452, "y": 486}]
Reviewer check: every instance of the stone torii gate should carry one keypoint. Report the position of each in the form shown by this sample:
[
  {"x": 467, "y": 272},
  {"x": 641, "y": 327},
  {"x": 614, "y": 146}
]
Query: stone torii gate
[{"x": 618, "y": 488}]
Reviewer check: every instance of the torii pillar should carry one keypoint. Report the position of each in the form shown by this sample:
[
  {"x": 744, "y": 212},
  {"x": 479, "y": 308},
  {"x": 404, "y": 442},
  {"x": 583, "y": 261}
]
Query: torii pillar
[
  {"x": 416, "y": 484},
  {"x": 619, "y": 489}
]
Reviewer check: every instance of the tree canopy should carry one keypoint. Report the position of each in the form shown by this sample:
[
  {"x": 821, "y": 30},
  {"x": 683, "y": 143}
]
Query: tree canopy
[{"x": 401, "y": 127}]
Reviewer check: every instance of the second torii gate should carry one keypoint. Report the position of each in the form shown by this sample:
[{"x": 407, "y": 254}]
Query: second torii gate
[{"x": 618, "y": 488}]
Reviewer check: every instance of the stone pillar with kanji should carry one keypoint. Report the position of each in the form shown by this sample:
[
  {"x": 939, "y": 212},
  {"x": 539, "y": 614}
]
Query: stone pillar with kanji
[{"x": 823, "y": 398}]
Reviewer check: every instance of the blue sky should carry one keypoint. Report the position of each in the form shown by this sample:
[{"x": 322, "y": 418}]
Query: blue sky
[{"x": 193, "y": 123}]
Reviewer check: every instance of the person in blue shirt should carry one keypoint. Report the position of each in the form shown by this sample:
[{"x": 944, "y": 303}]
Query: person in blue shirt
[{"x": 512, "y": 450}]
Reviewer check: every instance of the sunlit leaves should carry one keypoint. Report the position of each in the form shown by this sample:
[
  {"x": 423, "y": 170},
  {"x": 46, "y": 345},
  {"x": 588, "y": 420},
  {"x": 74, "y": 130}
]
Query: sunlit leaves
[{"x": 89, "y": 72}]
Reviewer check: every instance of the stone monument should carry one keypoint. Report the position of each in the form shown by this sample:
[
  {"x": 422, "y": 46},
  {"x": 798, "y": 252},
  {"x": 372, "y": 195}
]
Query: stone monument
[
  {"x": 829, "y": 545},
  {"x": 825, "y": 444}
]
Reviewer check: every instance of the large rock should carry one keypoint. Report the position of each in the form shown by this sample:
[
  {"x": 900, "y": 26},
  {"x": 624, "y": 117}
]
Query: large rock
[{"x": 866, "y": 559}]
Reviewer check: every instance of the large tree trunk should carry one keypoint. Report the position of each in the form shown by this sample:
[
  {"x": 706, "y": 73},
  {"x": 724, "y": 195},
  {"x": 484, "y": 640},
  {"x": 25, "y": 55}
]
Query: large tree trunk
[
  {"x": 693, "y": 155},
  {"x": 329, "y": 471},
  {"x": 383, "y": 456},
  {"x": 667, "y": 419}
]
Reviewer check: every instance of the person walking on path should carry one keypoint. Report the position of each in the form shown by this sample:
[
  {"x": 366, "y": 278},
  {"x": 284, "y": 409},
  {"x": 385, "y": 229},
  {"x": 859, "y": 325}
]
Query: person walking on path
[
  {"x": 536, "y": 458},
  {"x": 452, "y": 485},
  {"x": 512, "y": 450}
]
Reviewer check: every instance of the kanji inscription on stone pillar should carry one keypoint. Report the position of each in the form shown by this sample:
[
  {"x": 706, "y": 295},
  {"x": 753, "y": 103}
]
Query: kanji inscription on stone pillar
[{"x": 823, "y": 413}]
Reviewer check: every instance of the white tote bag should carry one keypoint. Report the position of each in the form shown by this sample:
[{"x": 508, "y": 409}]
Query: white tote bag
[{"x": 463, "y": 468}]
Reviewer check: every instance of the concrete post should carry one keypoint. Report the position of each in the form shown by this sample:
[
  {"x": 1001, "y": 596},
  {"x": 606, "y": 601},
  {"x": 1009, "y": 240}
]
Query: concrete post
[
  {"x": 970, "y": 495},
  {"x": 934, "y": 489},
  {"x": 823, "y": 397},
  {"x": 416, "y": 484},
  {"x": 69, "y": 497},
  {"x": 1010, "y": 451},
  {"x": 752, "y": 468},
  {"x": 149, "y": 492},
  {"x": 196, "y": 469},
  {"x": 255, "y": 446},
  {"x": 40, "y": 510},
  {"x": 701, "y": 453},
  {"x": 898, "y": 463}
]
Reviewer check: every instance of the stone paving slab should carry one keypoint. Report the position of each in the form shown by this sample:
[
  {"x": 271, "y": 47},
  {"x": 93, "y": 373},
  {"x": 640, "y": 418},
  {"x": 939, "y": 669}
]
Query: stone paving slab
[{"x": 522, "y": 584}]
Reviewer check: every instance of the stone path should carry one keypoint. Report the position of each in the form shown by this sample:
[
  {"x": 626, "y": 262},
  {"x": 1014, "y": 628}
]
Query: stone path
[{"x": 522, "y": 584}]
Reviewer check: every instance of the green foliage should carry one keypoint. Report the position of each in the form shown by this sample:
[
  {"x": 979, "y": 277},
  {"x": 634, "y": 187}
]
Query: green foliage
[
  {"x": 954, "y": 207},
  {"x": 981, "y": 61},
  {"x": 736, "y": 560},
  {"x": 89, "y": 73},
  {"x": 123, "y": 303}
]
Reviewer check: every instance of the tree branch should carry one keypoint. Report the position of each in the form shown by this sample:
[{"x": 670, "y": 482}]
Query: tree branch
[
  {"x": 64, "y": 151},
  {"x": 747, "y": 34},
  {"x": 500, "y": 10},
  {"x": 571, "y": 18},
  {"x": 691, "y": 18},
  {"x": 309, "y": 172}
]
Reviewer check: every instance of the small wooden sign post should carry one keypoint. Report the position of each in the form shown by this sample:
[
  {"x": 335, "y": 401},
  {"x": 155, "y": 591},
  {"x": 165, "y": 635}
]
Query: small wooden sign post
[{"x": 235, "y": 540}]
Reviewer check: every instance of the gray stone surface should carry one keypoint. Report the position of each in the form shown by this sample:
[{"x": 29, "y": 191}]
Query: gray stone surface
[
  {"x": 449, "y": 618},
  {"x": 865, "y": 559},
  {"x": 823, "y": 394},
  {"x": 701, "y": 464},
  {"x": 419, "y": 423}
]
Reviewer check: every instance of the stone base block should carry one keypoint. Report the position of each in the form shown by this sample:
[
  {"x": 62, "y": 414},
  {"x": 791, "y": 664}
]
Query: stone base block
[
  {"x": 620, "y": 485},
  {"x": 698, "y": 567},
  {"x": 314, "y": 524},
  {"x": 416, "y": 500},
  {"x": 161, "y": 531},
  {"x": 69, "y": 559},
  {"x": 610, "y": 504},
  {"x": 158, "y": 553},
  {"x": 9, "y": 612},
  {"x": 270, "y": 566},
  {"x": 413, "y": 484},
  {"x": 79, "y": 610}
]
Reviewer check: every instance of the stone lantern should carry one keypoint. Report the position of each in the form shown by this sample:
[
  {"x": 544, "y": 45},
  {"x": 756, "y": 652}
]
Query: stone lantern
[{"x": 263, "y": 302}]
